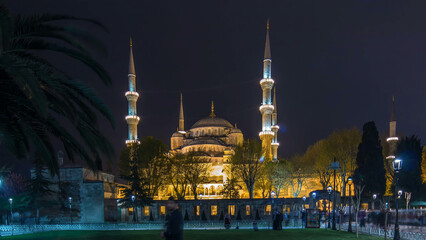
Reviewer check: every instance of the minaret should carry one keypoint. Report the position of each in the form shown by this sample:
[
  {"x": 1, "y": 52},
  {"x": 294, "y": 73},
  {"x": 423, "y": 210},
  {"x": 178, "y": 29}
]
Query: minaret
[
  {"x": 392, "y": 139},
  {"x": 266, "y": 109},
  {"x": 181, "y": 128},
  {"x": 275, "y": 128},
  {"x": 132, "y": 96},
  {"x": 212, "y": 115}
]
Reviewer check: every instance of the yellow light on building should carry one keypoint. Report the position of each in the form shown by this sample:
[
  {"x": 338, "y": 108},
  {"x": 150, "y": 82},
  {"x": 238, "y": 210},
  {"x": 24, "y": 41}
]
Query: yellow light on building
[
  {"x": 163, "y": 210},
  {"x": 247, "y": 210},
  {"x": 146, "y": 211},
  {"x": 231, "y": 210},
  {"x": 213, "y": 210}
]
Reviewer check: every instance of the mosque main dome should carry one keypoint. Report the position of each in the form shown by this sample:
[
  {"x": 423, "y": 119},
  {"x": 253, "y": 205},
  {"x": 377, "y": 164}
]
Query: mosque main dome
[{"x": 212, "y": 122}]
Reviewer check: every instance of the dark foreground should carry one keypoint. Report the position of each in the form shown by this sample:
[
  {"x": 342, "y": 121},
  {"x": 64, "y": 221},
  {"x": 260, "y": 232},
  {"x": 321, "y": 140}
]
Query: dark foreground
[{"x": 290, "y": 234}]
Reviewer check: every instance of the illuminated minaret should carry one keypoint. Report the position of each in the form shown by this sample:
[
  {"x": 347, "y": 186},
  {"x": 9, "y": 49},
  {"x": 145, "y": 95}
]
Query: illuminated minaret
[
  {"x": 275, "y": 128},
  {"x": 266, "y": 109},
  {"x": 392, "y": 139},
  {"x": 181, "y": 128},
  {"x": 132, "y": 96}
]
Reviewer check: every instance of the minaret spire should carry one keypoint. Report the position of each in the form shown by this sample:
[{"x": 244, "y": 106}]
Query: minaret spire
[
  {"x": 266, "y": 109},
  {"x": 181, "y": 117},
  {"x": 132, "y": 96},
  {"x": 212, "y": 115}
]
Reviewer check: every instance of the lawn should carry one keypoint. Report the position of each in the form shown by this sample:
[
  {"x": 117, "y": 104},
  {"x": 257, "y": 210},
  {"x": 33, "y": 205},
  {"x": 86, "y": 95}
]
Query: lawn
[{"x": 290, "y": 234}]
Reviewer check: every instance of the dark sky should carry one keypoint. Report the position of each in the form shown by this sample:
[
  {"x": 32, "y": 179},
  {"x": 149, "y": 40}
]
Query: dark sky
[{"x": 336, "y": 64}]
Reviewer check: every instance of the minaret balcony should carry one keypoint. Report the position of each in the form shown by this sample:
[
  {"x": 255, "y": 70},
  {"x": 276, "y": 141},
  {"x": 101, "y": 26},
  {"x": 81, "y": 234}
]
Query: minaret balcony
[
  {"x": 132, "y": 96},
  {"x": 266, "y": 133},
  {"x": 275, "y": 127},
  {"x": 267, "y": 83},
  {"x": 266, "y": 108},
  {"x": 390, "y": 139},
  {"x": 275, "y": 144},
  {"x": 132, "y": 119},
  {"x": 132, "y": 141},
  {"x": 390, "y": 157}
]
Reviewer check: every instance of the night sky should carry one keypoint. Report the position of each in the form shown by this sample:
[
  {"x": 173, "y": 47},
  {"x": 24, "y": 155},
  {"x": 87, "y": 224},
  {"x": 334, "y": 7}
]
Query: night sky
[{"x": 336, "y": 64}]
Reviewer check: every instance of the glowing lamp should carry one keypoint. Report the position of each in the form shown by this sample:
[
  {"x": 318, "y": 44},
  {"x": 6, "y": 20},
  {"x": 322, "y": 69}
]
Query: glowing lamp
[{"x": 397, "y": 165}]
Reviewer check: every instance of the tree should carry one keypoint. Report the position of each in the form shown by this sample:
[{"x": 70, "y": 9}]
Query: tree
[
  {"x": 280, "y": 175},
  {"x": 370, "y": 171},
  {"x": 136, "y": 194},
  {"x": 264, "y": 181},
  {"x": 39, "y": 188},
  {"x": 231, "y": 189},
  {"x": 41, "y": 98},
  {"x": 409, "y": 150},
  {"x": 357, "y": 204},
  {"x": 246, "y": 161},
  {"x": 424, "y": 165},
  {"x": 342, "y": 145},
  {"x": 151, "y": 157},
  {"x": 176, "y": 175},
  {"x": 196, "y": 170},
  {"x": 316, "y": 157}
]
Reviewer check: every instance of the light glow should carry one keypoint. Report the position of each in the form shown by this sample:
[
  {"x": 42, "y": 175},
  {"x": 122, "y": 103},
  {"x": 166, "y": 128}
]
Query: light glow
[
  {"x": 266, "y": 133},
  {"x": 132, "y": 117},
  {"x": 275, "y": 144},
  {"x": 132, "y": 141},
  {"x": 390, "y": 157},
  {"x": 267, "y": 80},
  {"x": 392, "y": 139},
  {"x": 267, "y": 106},
  {"x": 131, "y": 93}
]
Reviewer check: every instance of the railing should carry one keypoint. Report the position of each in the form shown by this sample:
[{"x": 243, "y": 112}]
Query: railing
[{"x": 7, "y": 230}]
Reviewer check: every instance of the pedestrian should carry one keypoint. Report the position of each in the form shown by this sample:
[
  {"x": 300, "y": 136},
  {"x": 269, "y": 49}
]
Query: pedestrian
[
  {"x": 227, "y": 221},
  {"x": 275, "y": 219},
  {"x": 174, "y": 224},
  {"x": 280, "y": 220}
]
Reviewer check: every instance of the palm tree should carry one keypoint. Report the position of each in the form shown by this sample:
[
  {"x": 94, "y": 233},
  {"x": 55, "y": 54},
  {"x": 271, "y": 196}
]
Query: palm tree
[{"x": 39, "y": 99}]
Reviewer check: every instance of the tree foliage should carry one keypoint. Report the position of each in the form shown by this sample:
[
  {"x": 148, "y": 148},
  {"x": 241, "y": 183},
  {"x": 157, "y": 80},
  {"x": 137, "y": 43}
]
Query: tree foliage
[
  {"x": 370, "y": 171},
  {"x": 41, "y": 98},
  {"x": 196, "y": 170},
  {"x": 247, "y": 163},
  {"x": 409, "y": 150}
]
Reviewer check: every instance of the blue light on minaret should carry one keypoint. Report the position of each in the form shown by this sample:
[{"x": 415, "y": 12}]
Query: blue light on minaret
[
  {"x": 132, "y": 96},
  {"x": 269, "y": 127}
]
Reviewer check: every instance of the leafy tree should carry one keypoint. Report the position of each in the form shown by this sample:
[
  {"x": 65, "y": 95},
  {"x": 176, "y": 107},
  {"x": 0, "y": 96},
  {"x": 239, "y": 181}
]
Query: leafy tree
[
  {"x": 176, "y": 175},
  {"x": 317, "y": 157},
  {"x": 342, "y": 145},
  {"x": 409, "y": 150},
  {"x": 264, "y": 181},
  {"x": 280, "y": 175},
  {"x": 41, "y": 98},
  {"x": 136, "y": 188},
  {"x": 246, "y": 161},
  {"x": 424, "y": 165},
  {"x": 231, "y": 189},
  {"x": 370, "y": 170},
  {"x": 39, "y": 188},
  {"x": 297, "y": 174},
  {"x": 151, "y": 157},
  {"x": 196, "y": 171}
]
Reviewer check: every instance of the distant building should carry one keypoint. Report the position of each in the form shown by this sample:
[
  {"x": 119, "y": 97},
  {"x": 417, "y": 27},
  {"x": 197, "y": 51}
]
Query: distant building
[{"x": 93, "y": 197}]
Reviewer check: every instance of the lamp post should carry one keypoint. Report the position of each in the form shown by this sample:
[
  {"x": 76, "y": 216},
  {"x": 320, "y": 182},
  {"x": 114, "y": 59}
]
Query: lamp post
[
  {"x": 272, "y": 196},
  {"x": 118, "y": 211},
  {"x": 303, "y": 209},
  {"x": 397, "y": 165},
  {"x": 70, "y": 201},
  {"x": 329, "y": 189},
  {"x": 350, "y": 204},
  {"x": 304, "y": 201},
  {"x": 11, "y": 213},
  {"x": 374, "y": 200},
  {"x": 133, "y": 198},
  {"x": 199, "y": 209},
  {"x": 313, "y": 197}
]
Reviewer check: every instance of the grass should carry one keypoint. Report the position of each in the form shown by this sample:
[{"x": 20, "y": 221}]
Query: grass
[{"x": 290, "y": 234}]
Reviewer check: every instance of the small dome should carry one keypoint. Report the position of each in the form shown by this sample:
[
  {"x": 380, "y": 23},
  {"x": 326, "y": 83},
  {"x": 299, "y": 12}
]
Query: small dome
[
  {"x": 177, "y": 134},
  {"x": 236, "y": 130},
  {"x": 212, "y": 122}
]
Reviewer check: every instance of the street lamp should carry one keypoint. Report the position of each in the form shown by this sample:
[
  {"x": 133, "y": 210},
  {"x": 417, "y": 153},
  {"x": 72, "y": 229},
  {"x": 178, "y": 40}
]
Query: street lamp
[
  {"x": 374, "y": 199},
  {"x": 329, "y": 190},
  {"x": 199, "y": 209},
  {"x": 304, "y": 201},
  {"x": 399, "y": 193},
  {"x": 133, "y": 198},
  {"x": 313, "y": 196},
  {"x": 350, "y": 204},
  {"x": 69, "y": 201},
  {"x": 11, "y": 213},
  {"x": 272, "y": 196},
  {"x": 397, "y": 166}
]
